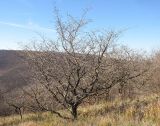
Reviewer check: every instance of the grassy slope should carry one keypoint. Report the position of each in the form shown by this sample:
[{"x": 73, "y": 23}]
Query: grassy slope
[{"x": 140, "y": 112}]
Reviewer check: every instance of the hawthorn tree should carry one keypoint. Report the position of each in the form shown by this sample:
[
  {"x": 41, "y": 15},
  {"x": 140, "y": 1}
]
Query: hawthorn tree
[{"x": 75, "y": 66}]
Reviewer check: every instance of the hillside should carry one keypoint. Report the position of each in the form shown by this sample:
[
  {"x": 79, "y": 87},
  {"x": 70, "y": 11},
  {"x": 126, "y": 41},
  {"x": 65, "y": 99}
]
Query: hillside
[
  {"x": 141, "y": 111},
  {"x": 11, "y": 70}
]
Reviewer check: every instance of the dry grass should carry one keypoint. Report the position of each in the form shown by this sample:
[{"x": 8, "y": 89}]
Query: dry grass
[{"x": 142, "y": 112}]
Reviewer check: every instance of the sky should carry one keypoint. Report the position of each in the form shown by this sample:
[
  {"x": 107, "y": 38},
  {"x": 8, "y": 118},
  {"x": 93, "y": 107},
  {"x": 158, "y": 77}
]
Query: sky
[{"x": 20, "y": 20}]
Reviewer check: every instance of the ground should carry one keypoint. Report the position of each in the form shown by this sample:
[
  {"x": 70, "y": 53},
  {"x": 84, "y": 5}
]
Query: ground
[{"x": 144, "y": 111}]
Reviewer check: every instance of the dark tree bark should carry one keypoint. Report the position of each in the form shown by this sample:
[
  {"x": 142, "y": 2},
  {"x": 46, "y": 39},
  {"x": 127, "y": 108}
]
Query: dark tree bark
[{"x": 74, "y": 111}]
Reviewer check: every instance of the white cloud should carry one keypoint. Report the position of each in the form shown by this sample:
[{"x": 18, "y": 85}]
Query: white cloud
[{"x": 30, "y": 26}]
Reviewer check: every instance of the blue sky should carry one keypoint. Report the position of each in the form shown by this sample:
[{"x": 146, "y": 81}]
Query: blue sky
[{"x": 20, "y": 19}]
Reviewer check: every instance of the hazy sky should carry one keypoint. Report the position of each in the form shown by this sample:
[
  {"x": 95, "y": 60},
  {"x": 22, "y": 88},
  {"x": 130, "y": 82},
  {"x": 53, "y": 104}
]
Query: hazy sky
[{"x": 20, "y": 19}]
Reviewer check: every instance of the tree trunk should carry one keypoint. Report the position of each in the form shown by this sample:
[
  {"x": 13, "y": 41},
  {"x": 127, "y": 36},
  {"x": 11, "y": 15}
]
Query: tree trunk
[
  {"x": 20, "y": 113},
  {"x": 74, "y": 111},
  {"x": 107, "y": 95}
]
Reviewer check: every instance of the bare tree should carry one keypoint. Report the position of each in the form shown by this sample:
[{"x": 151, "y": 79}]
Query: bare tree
[
  {"x": 76, "y": 66},
  {"x": 16, "y": 101},
  {"x": 137, "y": 67},
  {"x": 154, "y": 85}
]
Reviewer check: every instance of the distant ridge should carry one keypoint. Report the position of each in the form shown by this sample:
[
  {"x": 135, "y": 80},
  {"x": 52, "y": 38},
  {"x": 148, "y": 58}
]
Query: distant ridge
[{"x": 11, "y": 69}]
